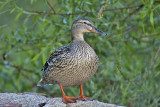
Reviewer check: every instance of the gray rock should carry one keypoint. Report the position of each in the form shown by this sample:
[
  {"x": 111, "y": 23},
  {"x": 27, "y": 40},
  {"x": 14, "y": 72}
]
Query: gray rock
[{"x": 39, "y": 100}]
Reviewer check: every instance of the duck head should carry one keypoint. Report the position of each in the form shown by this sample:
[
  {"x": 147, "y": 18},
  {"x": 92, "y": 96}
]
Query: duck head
[{"x": 81, "y": 26}]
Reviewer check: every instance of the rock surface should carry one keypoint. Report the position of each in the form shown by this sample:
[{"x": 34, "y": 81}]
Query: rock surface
[{"x": 39, "y": 100}]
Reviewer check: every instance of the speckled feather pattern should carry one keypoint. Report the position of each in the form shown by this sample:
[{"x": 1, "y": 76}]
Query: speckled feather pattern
[
  {"x": 70, "y": 65},
  {"x": 75, "y": 64}
]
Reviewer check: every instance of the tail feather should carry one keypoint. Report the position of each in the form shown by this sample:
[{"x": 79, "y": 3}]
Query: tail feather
[{"x": 41, "y": 83}]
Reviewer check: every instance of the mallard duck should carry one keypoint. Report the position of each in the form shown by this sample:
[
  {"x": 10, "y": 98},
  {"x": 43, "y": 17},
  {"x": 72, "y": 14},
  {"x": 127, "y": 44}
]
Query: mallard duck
[{"x": 72, "y": 65}]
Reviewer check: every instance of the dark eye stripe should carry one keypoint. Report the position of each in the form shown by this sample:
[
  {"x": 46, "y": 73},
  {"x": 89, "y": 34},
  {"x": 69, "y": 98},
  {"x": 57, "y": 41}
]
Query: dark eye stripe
[{"x": 86, "y": 23}]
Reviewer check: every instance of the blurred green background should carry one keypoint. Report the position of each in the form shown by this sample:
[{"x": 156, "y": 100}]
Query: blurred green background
[{"x": 129, "y": 70}]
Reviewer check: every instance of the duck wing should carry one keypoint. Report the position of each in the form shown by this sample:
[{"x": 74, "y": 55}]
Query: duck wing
[{"x": 54, "y": 55}]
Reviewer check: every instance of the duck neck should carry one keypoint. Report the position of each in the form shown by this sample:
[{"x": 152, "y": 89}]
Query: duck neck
[{"x": 77, "y": 35}]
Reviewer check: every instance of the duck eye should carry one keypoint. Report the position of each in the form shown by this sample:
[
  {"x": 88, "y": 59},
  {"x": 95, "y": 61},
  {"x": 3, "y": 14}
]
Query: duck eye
[{"x": 85, "y": 23}]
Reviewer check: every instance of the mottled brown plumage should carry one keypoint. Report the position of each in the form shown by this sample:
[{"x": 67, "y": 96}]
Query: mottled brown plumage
[{"x": 75, "y": 64}]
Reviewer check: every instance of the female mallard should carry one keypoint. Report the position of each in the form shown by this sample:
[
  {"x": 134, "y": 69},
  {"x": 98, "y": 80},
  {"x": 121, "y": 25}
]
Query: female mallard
[{"x": 72, "y": 65}]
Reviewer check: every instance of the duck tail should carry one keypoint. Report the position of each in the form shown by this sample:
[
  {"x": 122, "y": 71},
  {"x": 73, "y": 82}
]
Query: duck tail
[{"x": 41, "y": 83}]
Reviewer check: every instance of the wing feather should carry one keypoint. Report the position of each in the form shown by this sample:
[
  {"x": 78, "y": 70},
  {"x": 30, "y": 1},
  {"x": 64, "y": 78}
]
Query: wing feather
[{"x": 54, "y": 55}]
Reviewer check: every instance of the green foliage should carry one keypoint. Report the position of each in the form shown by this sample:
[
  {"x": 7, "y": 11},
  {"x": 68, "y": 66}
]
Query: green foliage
[{"x": 129, "y": 68}]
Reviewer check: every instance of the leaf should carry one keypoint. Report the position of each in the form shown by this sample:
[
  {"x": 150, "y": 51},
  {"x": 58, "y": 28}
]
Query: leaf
[
  {"x": 151, "y": 18},
  {"x": 2, "y": 6},
  {"x": 12, "y": 10},
  {"x": 43, "y": 57},
  {"x": 36, "y": 57},
  {"x": 43, "y": 25},
  {"x": 18, "y": 15},
  {"x": 32, "y": 1}
]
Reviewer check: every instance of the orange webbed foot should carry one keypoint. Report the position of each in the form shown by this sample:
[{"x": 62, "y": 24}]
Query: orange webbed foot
[
  {"x": 83, "y": 98},
  {"x": 68, "y": 99}
]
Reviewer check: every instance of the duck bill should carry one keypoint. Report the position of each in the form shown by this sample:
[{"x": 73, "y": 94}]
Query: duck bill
[{"x": 95, "y": 30}]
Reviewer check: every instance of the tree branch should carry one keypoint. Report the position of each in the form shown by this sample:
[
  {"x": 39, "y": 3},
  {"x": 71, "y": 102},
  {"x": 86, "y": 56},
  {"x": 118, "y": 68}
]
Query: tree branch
[
  {"x": 130, "y": 14},
  {"x": 78, "y": 13},
  {"x": 153, "y": 62},
  {"x": 51, "y": 7}
]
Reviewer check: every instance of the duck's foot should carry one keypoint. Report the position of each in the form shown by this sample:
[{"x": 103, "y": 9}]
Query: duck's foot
[
  {"x": 68, "y": 99},
  {"x": 83, "y": 98}
]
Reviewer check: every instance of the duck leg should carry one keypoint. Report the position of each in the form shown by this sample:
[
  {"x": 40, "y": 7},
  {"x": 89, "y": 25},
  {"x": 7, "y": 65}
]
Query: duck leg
[
  {"x": 67, "y": 99},
  {"x": 81, "y": 96}
]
